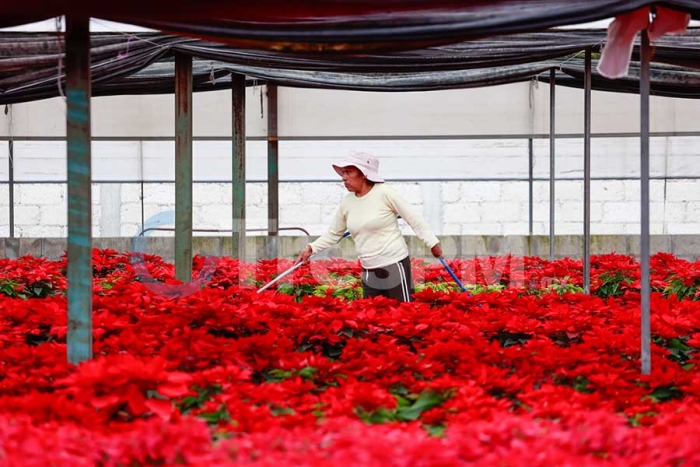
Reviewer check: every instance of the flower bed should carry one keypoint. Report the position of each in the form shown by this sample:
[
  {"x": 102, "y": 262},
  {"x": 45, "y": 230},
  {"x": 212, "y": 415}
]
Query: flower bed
[{"x": 523, "y": 370}]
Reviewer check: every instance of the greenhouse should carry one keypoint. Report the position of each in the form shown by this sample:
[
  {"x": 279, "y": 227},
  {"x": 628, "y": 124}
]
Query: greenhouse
[{"x": 176, "y": 285}]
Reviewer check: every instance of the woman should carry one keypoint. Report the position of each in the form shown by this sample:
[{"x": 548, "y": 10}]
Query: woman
[{"x": 369, "y": 212}]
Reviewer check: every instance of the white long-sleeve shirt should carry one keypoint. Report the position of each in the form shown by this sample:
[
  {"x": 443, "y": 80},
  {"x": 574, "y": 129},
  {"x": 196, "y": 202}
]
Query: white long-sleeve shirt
[{"x": 371, "y": 220}]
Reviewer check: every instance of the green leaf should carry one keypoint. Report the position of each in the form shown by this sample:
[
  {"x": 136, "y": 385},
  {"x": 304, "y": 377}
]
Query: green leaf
[
  {"x": 216, "y": 417},
  {"x": 508, "y": 339},
  {"x": 426, "y": 401},
  {"x": 287, "y": 289},
  {"x": 665, "y": 393},
  {"x": 276, "y": 411},
  {"x": 438, "y": 431},
  {"x": 8, "y": 287},
  {"x": 276, "y": 375},
  {"x": 399, "y": 390},
  {"x": 402, "y": 401},
  {"x": 677, "y": 344},
  {"x": 581, "y": 385},
  {"x": 203, "y": 395},
  {"x": 380, "y": 415},
  {"x": 307, "y": 372}
]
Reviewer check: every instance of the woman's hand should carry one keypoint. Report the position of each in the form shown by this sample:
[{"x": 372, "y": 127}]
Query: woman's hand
[
  {"x": 436, "y": 250},
  {"x": 304, "y": 255}
]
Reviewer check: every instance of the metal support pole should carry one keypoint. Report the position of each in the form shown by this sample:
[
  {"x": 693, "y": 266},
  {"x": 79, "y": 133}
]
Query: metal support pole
[
  {"x": 552, "y": 173},
  {"x": 272, "y": 171},
  {"x": 143, "y": 208},
  {"x": 644, "y": 86},
  {"x": 11, "y": 186},
  {"x": 239, "y": 179},
  {"x": 183, "y": 167},
  {"x": 587, "y": 177},
  {"x": 530, "y": 195},
  {"x": 141, "y": 195},
  {"x": 79, "y": 268}
]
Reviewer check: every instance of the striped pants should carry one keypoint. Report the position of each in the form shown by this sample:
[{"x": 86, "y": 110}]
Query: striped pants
[{"x": 392, "y": 281}]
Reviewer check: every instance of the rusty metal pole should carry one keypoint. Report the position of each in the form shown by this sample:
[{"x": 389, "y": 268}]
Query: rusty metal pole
[
  {"x": 272, "y": 172},
  {"x": 79, "y": 268},
  {"x": 183, "y": 167},
  {"x": 238, "y": 181}
]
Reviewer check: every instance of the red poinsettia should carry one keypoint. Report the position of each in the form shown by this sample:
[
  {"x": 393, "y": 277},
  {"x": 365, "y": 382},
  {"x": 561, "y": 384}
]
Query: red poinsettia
[{"x": 124, "y": 383}]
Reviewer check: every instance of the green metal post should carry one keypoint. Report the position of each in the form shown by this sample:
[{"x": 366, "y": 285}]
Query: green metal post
[
  {"x": 183, "y": 167},
  {"x": 79, "y": 273},
  {"x": 239, "y": 179}
]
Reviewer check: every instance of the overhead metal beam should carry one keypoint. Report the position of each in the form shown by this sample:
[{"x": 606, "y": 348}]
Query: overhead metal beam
[
  {"x": 413, "y": 137},
  {"x": 183, "y": 167},
  {"x": 79, "y": 268}
]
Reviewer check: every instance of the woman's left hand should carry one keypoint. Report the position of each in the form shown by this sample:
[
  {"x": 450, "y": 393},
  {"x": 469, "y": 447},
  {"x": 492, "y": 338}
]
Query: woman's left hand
[{"x": 436, "y": 250}]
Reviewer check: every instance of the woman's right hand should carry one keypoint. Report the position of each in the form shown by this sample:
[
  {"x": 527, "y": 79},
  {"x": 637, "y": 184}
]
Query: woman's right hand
[{"x": 304, "y": 255}]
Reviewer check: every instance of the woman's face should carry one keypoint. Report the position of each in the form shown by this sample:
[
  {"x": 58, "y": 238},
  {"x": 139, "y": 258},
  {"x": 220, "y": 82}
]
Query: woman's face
[{"x": 353, "y": 179}]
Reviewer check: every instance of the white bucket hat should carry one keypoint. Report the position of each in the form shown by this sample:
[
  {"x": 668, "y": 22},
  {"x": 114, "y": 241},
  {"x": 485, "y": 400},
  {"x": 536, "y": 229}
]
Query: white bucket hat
[{"x": 365, "y": 162}]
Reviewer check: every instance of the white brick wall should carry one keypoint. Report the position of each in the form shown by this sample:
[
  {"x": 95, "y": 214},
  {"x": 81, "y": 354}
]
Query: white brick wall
[
  {"x": 4, "y": 211},
  {"x": 477, "y": 208},
  {"x": 684, "y": 190},
  {"x": 485, "y": 207},
  {"x": 44, "y": 194},
  {"x": 481, "y": 192},
  {"x": 131, "y": 193}
]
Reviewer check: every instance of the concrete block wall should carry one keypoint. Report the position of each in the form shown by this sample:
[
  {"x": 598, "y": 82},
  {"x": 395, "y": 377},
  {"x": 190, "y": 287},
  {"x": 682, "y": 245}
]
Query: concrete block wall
[
  {"x": 451, "y": 208},
  {"x": 493, "y": 202},
  {"x": 41, "y": 210},
  {"x": 4, "y": 211}
]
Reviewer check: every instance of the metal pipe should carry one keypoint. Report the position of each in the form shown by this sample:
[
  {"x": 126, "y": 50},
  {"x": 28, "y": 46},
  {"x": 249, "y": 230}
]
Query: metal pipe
[
  {"x": 552, "y": 152},
  {"x": 238, "y": 179},
  {"x": 530, "y": 180},
  {"x": 79, "y": 268},
  {"x": 143, "y": 207},
  {"x": 644, "y": 86},
  {"x": 170, "y": 229},
  {"x": 11, "y": 185},
  {"x": 409, "y": 180},
  {"x": 657, "y": 134},
  {"x": 183, "y": 167},
  {"x": 141, "y": 196},
  {"x": 272, "y": 170},
  {"x": 587, "y": 177}
]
